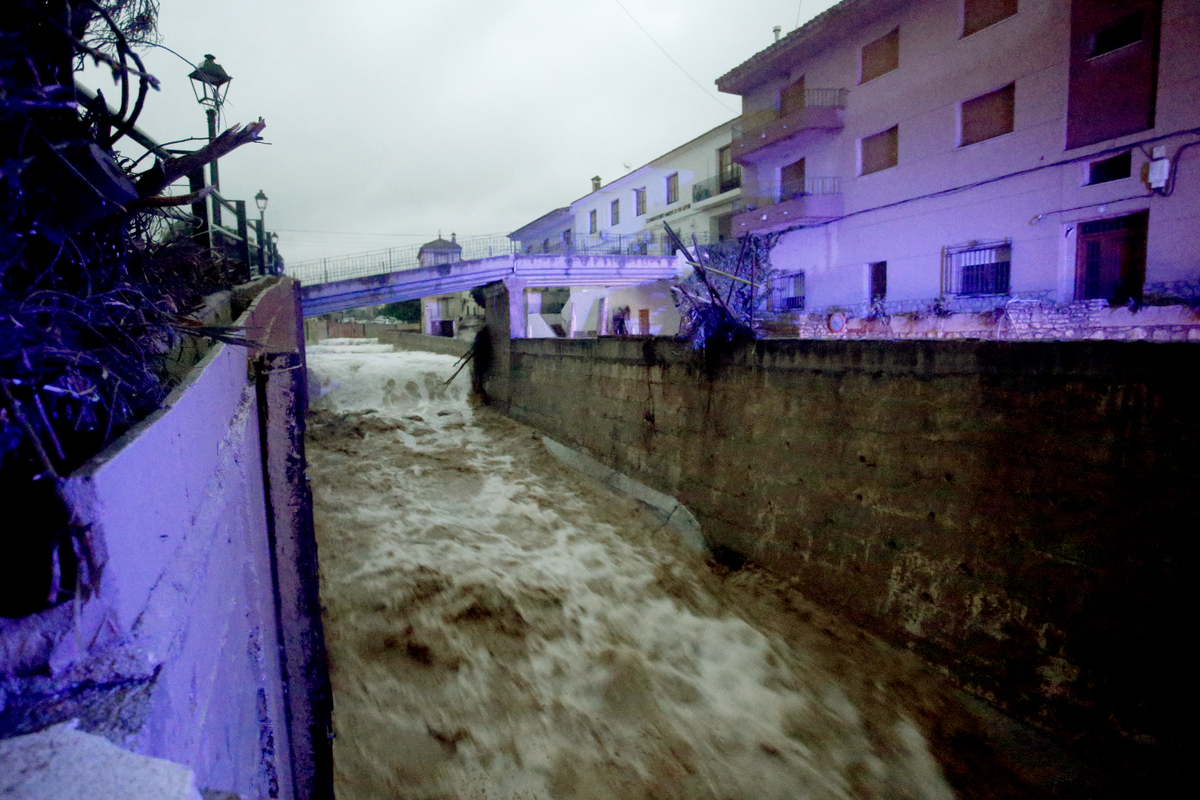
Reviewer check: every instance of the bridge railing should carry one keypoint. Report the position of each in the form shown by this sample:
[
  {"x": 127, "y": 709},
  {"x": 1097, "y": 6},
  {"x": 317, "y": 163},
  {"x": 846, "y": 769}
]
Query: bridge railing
[
  {"x": 399, "y": 259},
  {"x": 393, "y": 259}
]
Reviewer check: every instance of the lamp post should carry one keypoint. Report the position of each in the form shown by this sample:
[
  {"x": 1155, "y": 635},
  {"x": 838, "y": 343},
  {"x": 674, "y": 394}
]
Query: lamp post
[
  {"x": 210, "y": 84},
  {"x": 260, "y": 200},
  {"x": 275, "y": 254}
]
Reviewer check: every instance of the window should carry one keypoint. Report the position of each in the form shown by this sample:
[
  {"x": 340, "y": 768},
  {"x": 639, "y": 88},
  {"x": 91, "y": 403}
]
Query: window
[
  {"x": 976, "y": 268},
  {"x": 1125, "y": 31},
  {"x": 729, "y": 174},
  {"x": 566, "y": 240},
  {"x": 639, "y": 201},
  {"x": 1110, "y": 259},
  {"x": 980, "y": 14},
  {"x": 615, "y": 212},
  {"x": 1113, "y": 69},
  {"x": 673, "y": 188},
  {"x": 545, "y": 245},
  {"x": 880, "y": 56},
  {"x": 880, "y": 151},
  {"x": 791, "y": 181},
  {"x": 878, "y": 280},
  {"x": 1110, "y": 169},
  {"x": 788, "y": 294},
  {"x": 987, "y": 116},
  {"x": 792, "y": 98},
  {"x": 592, "y": 221}
]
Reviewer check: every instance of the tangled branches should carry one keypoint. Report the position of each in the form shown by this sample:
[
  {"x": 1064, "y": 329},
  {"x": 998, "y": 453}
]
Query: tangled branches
[
  {"x": 723, "y": 298},
  {"x": 91, "y": 292}
]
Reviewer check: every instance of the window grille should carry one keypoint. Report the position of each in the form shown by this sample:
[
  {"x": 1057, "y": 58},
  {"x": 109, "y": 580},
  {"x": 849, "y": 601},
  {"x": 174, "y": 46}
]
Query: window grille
[
  {"x": 789, "y": 292},
  {"x": 976, "y": 268}
]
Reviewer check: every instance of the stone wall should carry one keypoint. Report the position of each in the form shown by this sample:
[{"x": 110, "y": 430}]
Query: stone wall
[
  {"x": 1017, "y": 513},
  {"x": 1013, "y": 319}
]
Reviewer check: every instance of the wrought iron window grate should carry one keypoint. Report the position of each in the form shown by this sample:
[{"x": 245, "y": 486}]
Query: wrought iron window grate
[{"x": 977, "y": 268}]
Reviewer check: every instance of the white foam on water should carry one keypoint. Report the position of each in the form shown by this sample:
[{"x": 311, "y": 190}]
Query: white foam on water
[{"x": 499, "y": 627}]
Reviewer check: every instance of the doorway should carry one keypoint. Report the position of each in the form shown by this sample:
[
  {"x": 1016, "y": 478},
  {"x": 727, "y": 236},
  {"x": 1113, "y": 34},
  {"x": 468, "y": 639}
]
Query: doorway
[{"x": 1110, "y": 259}]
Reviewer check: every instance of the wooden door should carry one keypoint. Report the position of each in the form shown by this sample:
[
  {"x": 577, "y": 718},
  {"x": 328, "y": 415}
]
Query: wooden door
[{"x": 1110, "y": 259}]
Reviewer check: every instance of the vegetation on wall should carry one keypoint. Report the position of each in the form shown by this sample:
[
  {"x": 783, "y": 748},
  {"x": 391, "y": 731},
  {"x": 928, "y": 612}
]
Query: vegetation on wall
[{"x": 91, "y": 293}]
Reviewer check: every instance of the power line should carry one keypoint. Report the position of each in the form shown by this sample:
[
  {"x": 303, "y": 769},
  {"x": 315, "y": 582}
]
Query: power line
[{"x": 673, "y": 61}]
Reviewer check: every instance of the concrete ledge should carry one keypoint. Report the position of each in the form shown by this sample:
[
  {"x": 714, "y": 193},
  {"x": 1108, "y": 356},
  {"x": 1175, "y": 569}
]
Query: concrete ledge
[{"x": 670, "y": 512}]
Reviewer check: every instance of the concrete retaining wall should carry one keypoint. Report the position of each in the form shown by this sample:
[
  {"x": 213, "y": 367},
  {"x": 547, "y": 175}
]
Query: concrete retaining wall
[
  {"x": 203, "y": 644},
  {"x": 1016, "y": 513},
  {"x": 429, "y": 344}
]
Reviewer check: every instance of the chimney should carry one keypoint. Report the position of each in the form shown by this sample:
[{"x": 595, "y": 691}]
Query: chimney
[
  {"x": 453, "y": 239},
  {"x": 777, "y": 29},
  {"x": 596, "y": 183}
]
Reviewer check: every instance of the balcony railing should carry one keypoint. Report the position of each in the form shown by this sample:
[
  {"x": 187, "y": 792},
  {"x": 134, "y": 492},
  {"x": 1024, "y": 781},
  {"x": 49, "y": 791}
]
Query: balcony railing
[
  {"x": 790, "y": 190},
  {"x": 753, "y": 122},
  {"x": 719, "y": 184}
]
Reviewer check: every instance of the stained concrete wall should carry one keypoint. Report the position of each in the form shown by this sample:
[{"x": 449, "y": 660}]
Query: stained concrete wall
[
  {"x": 1016, "y": 513},
  {"x": 202, "y": 644}
]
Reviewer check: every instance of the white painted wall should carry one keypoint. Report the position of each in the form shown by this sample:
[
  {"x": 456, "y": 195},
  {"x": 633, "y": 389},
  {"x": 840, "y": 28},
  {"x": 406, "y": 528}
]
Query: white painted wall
[
  {"x": 694, "y": 161},
  {"x": 939, "y": 70}
]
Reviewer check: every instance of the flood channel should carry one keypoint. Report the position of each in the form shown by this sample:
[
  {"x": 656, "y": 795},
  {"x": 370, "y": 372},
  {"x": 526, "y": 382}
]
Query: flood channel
[{"x": 501, "y": 626}]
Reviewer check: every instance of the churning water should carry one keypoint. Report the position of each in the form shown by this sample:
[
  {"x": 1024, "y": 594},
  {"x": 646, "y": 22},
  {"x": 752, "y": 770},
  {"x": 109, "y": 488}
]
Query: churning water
[{"x": 501, "y": 627}]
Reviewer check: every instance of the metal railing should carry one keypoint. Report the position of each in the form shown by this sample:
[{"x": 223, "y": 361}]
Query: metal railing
[
  {"x": 393, "y": 259},
  {"x": 399, "y": 259},
  {"x": 790, "y": 190},
  {"x": 718, "y": 184},
  {"x": 813, "y": 98}
]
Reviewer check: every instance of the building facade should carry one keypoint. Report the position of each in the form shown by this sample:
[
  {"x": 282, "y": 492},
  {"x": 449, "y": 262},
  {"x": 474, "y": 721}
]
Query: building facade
[
  {"x": 694, "y": 188},
  {"x": 909, "y": 155}
]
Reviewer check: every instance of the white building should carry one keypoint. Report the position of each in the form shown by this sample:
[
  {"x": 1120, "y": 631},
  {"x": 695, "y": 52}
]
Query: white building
[
  {"x": 694, "y": 188},
  {"x": 974, "y": 152}
]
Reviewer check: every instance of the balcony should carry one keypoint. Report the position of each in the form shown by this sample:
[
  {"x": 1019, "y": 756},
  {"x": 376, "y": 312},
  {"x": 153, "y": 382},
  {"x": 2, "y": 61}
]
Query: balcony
[
  {"x": 726, "y": 182},
  {"x": 806, "y": 202},
  {"x": 761, "y": 134}
]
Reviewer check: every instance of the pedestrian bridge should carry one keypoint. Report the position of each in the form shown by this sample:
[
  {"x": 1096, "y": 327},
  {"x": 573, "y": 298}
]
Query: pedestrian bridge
[{"x": 516, "y": 271}]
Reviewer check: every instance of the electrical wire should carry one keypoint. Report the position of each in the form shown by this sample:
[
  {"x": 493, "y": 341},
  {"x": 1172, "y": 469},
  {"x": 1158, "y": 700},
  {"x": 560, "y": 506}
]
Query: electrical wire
[
  {"x": 1017, "y": 174},
  {"x": 715, "y": 99}
]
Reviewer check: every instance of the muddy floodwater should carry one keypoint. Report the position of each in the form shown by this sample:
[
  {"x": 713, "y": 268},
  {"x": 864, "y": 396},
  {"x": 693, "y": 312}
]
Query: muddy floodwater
[{"x": 500, "y": 626}]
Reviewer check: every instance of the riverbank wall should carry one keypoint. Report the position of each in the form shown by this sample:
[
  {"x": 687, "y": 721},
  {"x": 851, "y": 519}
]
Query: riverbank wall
[{"x": 1016, "y": 513}]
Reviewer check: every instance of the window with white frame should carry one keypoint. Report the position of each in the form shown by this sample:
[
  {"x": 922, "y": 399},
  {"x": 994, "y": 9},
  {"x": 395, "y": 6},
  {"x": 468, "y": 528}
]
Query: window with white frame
[
  {"x": 673, "y": 188},
  {"x": 977, "y": 268},
  {"x": 639, "y": 201},
  {"x": 592, "y": 221},
  {"x": 614, "y": 209}
]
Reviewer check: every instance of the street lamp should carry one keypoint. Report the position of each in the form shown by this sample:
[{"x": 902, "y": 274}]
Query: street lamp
[
  {"x": 260, "y": 200},
  {"x": 210, "y": 84}
]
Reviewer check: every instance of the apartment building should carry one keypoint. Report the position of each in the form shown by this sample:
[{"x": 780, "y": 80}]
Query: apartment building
[
  {"x": 970, "y": 153},
  {"x": 693, "y": 188}
]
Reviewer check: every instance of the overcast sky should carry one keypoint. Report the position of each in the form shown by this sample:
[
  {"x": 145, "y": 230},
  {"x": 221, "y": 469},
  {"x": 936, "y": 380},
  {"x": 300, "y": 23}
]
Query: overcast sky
[{"x": 391, "y": 121}]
